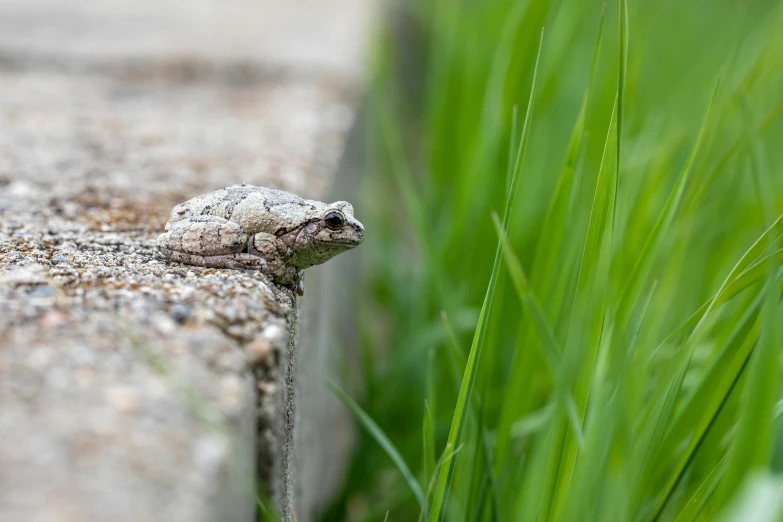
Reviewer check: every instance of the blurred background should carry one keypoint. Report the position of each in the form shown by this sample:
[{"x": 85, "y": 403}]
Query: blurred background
[
  {"x": 566, "y": 306},
  {"x": 627, "y": 365}
]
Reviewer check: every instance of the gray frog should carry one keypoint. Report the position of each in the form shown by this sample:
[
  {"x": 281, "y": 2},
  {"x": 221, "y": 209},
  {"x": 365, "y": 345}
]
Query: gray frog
[{"x": 249, "y": 227}]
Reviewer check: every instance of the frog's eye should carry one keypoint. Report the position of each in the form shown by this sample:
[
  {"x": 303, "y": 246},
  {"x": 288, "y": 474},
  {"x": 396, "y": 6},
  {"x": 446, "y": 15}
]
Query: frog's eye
[{"x": 334, "y": 220}]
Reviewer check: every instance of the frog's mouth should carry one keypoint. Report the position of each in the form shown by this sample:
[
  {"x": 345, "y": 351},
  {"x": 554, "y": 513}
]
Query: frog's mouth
[
  {"x": 343, "y": 244},
  {"x": 346, "y": 242}
]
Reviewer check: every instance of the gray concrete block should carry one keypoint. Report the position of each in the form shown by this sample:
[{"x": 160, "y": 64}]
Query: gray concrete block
[{"x": 132, "y": 388}]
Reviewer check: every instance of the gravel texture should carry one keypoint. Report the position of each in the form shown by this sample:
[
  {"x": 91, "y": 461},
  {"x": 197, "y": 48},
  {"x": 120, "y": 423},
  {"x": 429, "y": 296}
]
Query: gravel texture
[
  {"x": 133, "y": 388},
  {"x": 126, "y": 380}
]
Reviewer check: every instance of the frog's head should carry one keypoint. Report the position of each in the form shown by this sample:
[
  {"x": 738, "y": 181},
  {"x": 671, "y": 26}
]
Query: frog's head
[{"x": 331, "y": 231}]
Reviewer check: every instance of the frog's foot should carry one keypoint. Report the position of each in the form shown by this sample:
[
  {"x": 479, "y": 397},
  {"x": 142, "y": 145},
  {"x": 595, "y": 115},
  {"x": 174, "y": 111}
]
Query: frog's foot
[
  {"x": 240, "y": 261},
  {"x": 294, "y": 282}
]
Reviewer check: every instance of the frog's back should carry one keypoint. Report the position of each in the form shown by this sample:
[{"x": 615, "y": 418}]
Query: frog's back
[{"x": 255, "y": 209}]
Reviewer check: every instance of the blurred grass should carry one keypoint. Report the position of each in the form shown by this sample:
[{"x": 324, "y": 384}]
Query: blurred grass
[{"x": 625, "y": 362}]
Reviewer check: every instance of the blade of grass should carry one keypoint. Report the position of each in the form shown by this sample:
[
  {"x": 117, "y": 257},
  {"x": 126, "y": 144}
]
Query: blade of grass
[
  {"x": 753, "y": 441},
  {"x": 698, "y": 500},
  {"x": 380, "y": 437},
  {"x": 545, "y": 332},
  {"x": 652, "y": 435},
  {"x": 458, "y": 364},
  {"x": 589, "y": 307},
  {"x": 456, "y": 357},
  {"x": 479, "y": 479},
  {"x": 476, "y": 411},
  {"x": 466, "y": 390},
  {"x": 649, "y": 252},
  {"x": 739, "y": 277},
  {"x": 589, "y": 470},
  {"x": 698, "y": 413},
  {"x": 475, "y": 197},
  {"x": 511, "y": 144},
  {"x": 709, "y": 395},
  {"x": 586, "y": 326},
  {"x": 552, "y": 232},
  {"x": 533, "y": 422},
  {"x": 586, "y": 329},
  {"x": 529, "y": 502},
  {"x": 429, "y": 452},
  {"x": 622, "y": 73},
  {"x": 555, "y": 220}
]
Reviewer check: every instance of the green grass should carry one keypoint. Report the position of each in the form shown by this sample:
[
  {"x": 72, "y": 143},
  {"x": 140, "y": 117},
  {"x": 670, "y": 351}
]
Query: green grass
[{"x": 572, "y": 272}]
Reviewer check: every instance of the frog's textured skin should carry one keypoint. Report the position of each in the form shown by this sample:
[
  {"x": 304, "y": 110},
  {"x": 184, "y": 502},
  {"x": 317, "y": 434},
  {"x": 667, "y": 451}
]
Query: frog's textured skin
[{"x": 244, "y": 226}]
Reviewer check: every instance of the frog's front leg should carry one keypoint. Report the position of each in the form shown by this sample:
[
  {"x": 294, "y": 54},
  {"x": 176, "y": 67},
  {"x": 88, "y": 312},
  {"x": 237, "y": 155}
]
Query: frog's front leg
[
  {"x": 209, "y": 241},
  {"x": 276, "y": 254}
]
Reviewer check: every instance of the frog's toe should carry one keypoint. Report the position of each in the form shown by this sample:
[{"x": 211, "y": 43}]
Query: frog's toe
[
  {"x": 299, "y": 282},
  {"x": 243, "y": 260}
]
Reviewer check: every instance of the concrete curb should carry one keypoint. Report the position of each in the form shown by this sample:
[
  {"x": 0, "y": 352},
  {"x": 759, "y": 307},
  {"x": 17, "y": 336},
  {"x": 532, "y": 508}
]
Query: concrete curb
[{"x": 132, "y": 388}]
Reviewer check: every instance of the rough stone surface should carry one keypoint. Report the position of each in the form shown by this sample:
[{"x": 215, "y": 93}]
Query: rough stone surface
[{"x": 132, "y": 388}]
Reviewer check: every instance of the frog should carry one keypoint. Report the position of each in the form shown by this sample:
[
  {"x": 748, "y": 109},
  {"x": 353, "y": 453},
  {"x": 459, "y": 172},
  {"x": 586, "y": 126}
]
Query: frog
[{"x": 257, "y": 228}]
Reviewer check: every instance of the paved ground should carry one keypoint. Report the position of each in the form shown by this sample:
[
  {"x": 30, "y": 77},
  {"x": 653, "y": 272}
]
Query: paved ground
[{"x": 132, "y": 388}]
